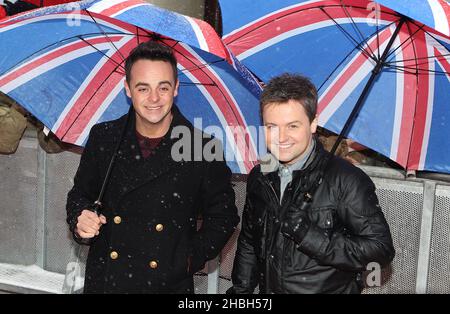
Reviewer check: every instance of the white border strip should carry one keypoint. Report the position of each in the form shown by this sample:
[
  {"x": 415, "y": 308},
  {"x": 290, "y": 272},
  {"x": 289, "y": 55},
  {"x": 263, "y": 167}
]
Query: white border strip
[
  {"x": 89, "y": 78},
  {"x": 198, "y": 34},
  {"x": 100, "y": 111},
  {"x": 440, "y": 19}
]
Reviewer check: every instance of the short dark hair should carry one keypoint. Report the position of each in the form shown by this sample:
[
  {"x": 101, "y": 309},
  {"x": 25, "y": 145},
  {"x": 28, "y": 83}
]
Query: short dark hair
[
  {"x": 285, "y": 87},
  {"x": 151, "y": 50}
]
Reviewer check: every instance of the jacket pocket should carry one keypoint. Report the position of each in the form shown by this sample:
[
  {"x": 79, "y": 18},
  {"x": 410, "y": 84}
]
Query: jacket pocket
[{"x": 324, "y": 217}]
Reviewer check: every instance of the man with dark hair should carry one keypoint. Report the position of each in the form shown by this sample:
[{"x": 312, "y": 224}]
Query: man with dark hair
[
  {"x": 313, "y": 223},
  {"x": 145, "y": 240}
]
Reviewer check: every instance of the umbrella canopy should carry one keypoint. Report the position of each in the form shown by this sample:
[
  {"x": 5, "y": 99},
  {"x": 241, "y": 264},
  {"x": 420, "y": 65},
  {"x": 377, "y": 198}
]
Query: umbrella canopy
[
  {"x": 65, "y": 66},
  {"x": 357, "y": 52},
  {"x": 191, "y": 31},
  {"x": 433, "y": 13}
]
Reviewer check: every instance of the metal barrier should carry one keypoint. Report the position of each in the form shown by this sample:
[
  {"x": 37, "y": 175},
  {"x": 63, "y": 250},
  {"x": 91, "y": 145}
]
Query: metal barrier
[{"x": 37, "y": 253}]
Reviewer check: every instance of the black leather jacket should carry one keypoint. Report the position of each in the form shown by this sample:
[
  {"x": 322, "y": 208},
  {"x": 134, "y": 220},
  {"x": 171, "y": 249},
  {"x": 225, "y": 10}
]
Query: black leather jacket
[{"x": 348, "y": 232}]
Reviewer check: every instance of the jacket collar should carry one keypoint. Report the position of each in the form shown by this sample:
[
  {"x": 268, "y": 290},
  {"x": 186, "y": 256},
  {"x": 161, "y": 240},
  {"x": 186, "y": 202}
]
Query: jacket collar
[{"x": 311, "y": 161}]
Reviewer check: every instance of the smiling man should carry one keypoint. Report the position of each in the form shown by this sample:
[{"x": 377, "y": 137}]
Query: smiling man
[
  {"x": 290, "y": 243},
  {"x": 145, "y": 240},
  {"x": 152, "y": 96}
]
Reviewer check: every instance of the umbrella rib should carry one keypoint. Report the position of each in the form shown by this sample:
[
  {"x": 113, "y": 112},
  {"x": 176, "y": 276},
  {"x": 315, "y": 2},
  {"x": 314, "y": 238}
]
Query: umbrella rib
[
  {"x": 443, "y": 57},
  {"x": 204, "y": 65},
  {"x": 195, "y": 66},
  {"x": 432, "y": 36},
  {"x": 417, "y": 64},
  {"x": 104, "y": 33},
  {"x": 335, "y": 69},
  {"x": 139, "y": 36},
  {"x": 360, "y": 102},
  {"x": 350, "y": 37},
  {"x": 418, "y": 70},
  {"x": 416, "y": 59},
  {"x": 424, "y": 28},
  {"x": 210, "y": 84},
  {"x": 113, "y": 71},
  {"x": 101, "y": 52},
  {"x": 355, "y": 27},
  {"x": 343, "y": 60},
  {"x": 399, "y": 70},
  {"x": 92, "y": 96},
  {"x": 56, "y": 43},
  {"x": 406, "y": 40}
]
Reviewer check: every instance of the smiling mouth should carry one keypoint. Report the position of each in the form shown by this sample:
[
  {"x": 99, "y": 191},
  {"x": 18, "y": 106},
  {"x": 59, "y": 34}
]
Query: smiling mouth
[
  {"x": 153, "y": 108},
  {"x": 285, "y": 146}
]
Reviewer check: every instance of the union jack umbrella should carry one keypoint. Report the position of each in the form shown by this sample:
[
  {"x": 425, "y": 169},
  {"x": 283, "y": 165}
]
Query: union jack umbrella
[
  {"x": 385, "y": 63},
  {"x": 64, "y": 64}
]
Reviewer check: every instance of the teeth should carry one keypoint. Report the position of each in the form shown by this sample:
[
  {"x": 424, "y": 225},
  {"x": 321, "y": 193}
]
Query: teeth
[{"x": 285, "y": 146}]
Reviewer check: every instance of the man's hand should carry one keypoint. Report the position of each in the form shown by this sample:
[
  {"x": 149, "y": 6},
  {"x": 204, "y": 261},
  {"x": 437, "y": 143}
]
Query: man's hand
[
  {"x": 89, "y": 223},
  {"x": 295, "y": 224}
]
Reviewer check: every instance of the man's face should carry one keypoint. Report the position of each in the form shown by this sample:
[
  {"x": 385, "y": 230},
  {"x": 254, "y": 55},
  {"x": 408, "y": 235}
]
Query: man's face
[
  {"x": 152, "y": 89},
  {"x": 288, "y": 130}
]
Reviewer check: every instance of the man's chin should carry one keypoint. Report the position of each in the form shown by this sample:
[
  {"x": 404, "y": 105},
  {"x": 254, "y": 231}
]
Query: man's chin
[
  {"x": 153, "y": 120},
  {"x": 286, "y": 159}
]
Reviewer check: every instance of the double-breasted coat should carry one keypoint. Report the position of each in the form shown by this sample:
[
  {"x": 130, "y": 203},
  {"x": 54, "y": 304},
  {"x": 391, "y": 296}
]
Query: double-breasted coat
[{"x": 151, "y": 242}]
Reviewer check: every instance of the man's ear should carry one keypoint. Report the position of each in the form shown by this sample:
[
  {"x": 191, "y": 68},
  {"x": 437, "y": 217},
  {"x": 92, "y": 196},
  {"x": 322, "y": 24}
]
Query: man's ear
[
  {"x": 314, "y": 124},
  {"x": 177, "y": 84},
  {"x": 127, "y": 88}
]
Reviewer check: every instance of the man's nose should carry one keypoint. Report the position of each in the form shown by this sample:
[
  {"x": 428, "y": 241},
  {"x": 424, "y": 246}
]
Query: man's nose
[
  {"x": 154, "y": 96},
  {"x": 282, "y": 136}
]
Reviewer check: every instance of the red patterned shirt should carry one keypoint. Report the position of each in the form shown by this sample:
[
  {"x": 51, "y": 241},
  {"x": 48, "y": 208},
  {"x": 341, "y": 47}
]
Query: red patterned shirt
[{"x": 147, "y": 144}]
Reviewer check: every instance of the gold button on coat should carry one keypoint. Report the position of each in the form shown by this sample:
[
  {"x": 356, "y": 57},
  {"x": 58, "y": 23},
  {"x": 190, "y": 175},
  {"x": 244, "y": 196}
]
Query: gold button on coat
[
  {"x": 153, "y": 264},
  {"x": 114, "y": 255},
  {"x": 159, "y": 227},
  {"x": 117, "y": 220}
]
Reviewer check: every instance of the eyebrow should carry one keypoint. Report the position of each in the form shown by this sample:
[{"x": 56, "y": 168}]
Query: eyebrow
[
  {"x": 271, "y": 123},
  {"x": 146, "y": 84}
]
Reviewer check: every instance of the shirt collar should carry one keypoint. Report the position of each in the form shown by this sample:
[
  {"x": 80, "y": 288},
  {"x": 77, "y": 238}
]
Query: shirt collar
[{"x": 285, "y": 170}]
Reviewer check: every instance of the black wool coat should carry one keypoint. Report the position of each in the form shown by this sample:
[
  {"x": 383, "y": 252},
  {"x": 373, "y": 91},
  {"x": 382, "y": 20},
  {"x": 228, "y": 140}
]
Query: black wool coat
[{"x": 150, "y": 243}]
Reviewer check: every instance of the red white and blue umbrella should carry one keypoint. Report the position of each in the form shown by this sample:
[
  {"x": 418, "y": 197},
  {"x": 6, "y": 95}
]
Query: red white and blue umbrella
[
  {"x": 395, "y": 64},
  {"x": 64, "y": 64}
]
